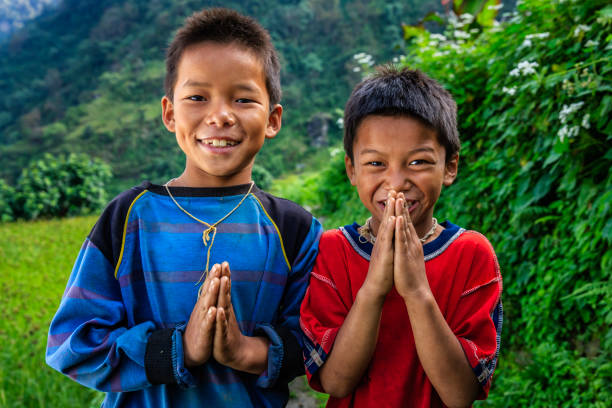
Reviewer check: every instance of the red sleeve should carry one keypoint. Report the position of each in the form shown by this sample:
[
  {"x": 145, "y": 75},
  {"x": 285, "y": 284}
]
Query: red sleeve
[
  {"x": 477, "y": 320},
  {"x": 326, "y": 304}
]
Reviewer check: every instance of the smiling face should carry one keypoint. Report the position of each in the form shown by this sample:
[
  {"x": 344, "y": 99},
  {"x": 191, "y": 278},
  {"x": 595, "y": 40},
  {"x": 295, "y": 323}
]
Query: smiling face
[
  {"x": 399, "y": 153},
  {"x": 220, "y": 113}
]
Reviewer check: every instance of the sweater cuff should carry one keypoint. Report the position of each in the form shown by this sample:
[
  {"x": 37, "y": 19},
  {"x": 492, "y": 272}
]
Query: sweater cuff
[
  {"x": 285, "y": 360},
  {"x": 158, "y": 357},
  {"x": 183, "y": 377}
]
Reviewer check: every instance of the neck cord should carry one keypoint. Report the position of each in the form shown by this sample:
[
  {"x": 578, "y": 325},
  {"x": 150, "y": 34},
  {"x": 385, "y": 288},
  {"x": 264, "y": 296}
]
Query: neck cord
[
  {"x": 211, "y": 227},
  {"x": 365, "y": 232}
]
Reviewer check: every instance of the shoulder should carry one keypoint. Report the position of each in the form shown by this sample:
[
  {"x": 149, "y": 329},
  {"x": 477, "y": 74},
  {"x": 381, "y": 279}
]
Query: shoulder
[
  {"x": 294, "y": 223},
  {"x": 475, "y": 241},
  {"x": 476, "y": 253},
  {"x": 107, "y": 234},
  {"x": 283, "y": 209}
]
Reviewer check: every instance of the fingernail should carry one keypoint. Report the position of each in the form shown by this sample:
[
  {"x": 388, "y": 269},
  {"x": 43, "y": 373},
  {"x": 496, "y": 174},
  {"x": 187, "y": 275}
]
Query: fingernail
[{"x": 210, "y": 311}]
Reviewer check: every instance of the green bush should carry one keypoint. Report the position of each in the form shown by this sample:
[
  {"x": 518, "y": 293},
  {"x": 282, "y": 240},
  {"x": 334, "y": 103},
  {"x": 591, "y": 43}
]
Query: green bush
[
  {"x": 7, "y": 197},
  {"x": 534, "y": 100},
  {"x": 261, "y": 177},
  {"x": 58, "y": 187}
]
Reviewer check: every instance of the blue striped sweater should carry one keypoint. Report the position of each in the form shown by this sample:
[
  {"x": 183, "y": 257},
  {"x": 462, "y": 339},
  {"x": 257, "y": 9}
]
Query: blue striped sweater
[{"x": 119, "y": 326}]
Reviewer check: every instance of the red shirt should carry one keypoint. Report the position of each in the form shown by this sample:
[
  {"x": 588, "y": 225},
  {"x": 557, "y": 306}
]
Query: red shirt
[{"x": 464, "y": 277}]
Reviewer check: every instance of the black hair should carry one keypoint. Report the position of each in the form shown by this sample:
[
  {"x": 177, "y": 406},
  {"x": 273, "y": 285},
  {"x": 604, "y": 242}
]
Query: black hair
[
  {"x": 403, "y": 92},
  {"x": 224, "y": 26}
]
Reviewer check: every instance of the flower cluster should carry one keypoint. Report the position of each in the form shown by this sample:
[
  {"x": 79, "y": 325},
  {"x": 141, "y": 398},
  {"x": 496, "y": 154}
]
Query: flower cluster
[
  {"x": 363, "y": 59},
  {"x": 567, "y": 111},
  {"x": 524, "y": 68},
  {"x": 538, "y": 36}
]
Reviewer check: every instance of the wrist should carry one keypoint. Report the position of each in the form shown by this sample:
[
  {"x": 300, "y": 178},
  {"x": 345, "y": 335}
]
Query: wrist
[
  {"x": 418, "y": 297},
  {"x": 370, "y": 296},
  {"x": 252, "y": 356}
]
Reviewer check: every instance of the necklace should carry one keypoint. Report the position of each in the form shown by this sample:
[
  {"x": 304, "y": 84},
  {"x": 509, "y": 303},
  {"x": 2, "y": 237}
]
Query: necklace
[
  {"x": 212, "y": 228},
  {"x": 365, "y": 232}
]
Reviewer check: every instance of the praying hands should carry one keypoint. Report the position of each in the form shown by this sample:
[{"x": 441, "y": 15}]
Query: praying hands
[{"x": 212, "y": 329}]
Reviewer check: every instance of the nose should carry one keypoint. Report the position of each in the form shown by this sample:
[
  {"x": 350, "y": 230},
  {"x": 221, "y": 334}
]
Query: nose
[
  {"x": 220, "y": 115},
  {"x": 397, "y": 179}
]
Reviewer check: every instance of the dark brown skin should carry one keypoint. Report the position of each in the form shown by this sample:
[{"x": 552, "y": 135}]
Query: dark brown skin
[{"x": 212, "y": 329}]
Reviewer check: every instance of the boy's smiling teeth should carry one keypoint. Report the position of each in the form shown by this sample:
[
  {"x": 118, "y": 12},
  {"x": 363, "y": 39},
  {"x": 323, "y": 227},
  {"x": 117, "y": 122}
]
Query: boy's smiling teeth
[{"x": 219, "y": 142}]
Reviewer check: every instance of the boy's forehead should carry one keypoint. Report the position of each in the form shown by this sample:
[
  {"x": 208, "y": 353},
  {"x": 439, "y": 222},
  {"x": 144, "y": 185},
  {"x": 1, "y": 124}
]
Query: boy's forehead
[
  {"x": 202, "y": 57},
  {"x": 394, "y": 130}
]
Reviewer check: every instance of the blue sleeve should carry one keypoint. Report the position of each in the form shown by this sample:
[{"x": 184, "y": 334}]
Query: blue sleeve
[
  {"x": 91, "y": 342},
  {"x": 285, "y": 360}
]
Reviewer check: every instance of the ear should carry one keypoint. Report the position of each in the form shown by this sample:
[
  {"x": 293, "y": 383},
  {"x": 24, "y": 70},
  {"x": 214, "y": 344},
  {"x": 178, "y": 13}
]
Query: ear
[
  {"x": 274, "y": 121},
  {"x": 450, "y": 170},
  {"x": 350, "y": 169},
  {"x": 168, "y": 113}
]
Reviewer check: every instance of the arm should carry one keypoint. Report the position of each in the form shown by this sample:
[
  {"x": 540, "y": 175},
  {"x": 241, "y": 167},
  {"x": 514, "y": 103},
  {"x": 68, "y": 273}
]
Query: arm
[
  {"x": 438, "y": 348},
  {"x": 89, "y": 338},
  {"x": 357, "y": 337}
]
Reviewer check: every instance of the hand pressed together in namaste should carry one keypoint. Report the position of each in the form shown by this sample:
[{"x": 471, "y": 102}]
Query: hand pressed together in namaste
[{"x": 212, "y": 330}]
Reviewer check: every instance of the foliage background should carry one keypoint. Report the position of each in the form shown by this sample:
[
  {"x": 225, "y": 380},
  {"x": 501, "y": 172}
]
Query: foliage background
[{"x": 534, "y": 97}]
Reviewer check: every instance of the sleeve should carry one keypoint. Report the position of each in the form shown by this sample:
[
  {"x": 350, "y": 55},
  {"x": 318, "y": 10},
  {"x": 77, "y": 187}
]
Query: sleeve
[
  {"x": 326, "y": 304},
  {"x": 477, "y": 321},
  {"x": 90, "y": 339},
  {"x": 284, "y": 355}
]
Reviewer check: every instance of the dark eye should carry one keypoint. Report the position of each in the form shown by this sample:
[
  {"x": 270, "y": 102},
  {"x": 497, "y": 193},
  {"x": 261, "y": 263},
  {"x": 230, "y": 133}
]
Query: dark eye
[
  {"x": 196, "y": 98},
  {"x": 244, "y": 100},
  {"x": 374, "y": 163},
  {"x": 417, "y": 162}
]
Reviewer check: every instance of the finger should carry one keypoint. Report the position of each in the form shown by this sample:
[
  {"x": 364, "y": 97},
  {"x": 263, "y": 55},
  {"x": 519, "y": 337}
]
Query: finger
[
  {"x": 400, "y": 204},
  {"x": 225, "y": 269},
  {"x": 401, "y": 236},
  {"x": 209, "y": 297},
  {"x": 220, "y": 328},
  {"x": 224, "y": 299},
  {"x": 209, "y": 320}
]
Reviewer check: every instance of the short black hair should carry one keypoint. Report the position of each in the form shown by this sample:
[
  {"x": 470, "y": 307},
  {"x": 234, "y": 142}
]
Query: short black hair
[
  {"x": 224, "y": 26},
  {"x": 403, "y": 92}
]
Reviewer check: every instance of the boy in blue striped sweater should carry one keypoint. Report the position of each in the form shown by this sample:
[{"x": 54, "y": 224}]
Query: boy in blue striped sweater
[{"x": 136, "y": 320}]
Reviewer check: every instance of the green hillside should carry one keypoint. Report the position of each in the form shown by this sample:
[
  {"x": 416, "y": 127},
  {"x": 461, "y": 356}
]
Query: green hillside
[{"x": 87, "y": 78}]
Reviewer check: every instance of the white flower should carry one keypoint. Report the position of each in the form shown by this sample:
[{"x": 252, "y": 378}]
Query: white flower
[
  {"x": 474, "y": 31},
  {"x": 515, "y": 72},
  {"x": 335, "y": 151},
  {"x": 510, "y": 91},
  {"x": 585, "y": 121},
  {"x": 438, "y": 37},
  {"x": 591, "y": 43},
  {"x": 461, "y": 34},
  {"x": 467, "y": 18},
  {"x": 581, "y": 28},
  {"x": 496, "y": 7},
  {"x": 568, "y": 133},
  {"x": 537, "y": 35},
  {"x": 356, "y": 69},
  {"x": 526, "y": 43},
  {"x": 568, "y": 110}
]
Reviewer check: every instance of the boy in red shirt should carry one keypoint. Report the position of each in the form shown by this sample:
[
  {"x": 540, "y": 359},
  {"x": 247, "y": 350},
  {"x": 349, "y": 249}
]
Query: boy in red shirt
[{"x": 402, "y": 311}]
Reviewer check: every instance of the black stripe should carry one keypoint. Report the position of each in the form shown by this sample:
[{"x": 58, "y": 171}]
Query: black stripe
[
  {"x": 293, "y": 221},
  {"x": 293, "y": 359},
  {"x": 158, "y": 357},
  {"x": 107, "y": 234}
]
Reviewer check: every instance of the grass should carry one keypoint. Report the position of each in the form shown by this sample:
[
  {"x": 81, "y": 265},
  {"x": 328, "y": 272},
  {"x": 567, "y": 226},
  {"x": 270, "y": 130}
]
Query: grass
[{"x": 35, "y": 261}]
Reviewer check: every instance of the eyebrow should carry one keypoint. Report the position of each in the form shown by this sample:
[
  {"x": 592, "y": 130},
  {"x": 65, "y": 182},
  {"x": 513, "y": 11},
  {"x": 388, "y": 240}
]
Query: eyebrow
[
  {"x": 190, "y": 83},
  {"x": 417, "y": 150}
]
